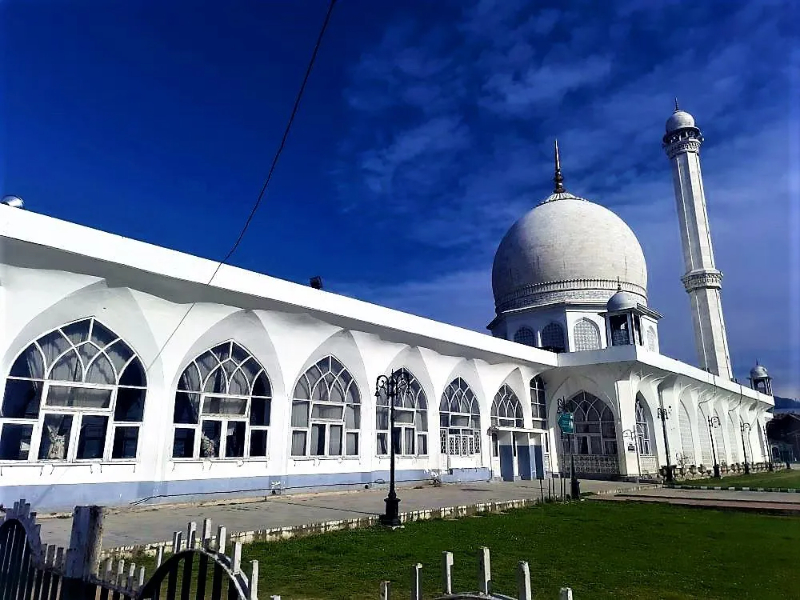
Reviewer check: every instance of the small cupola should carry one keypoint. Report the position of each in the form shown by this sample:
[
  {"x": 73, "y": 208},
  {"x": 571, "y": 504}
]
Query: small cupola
[
  {"x": 628, "y": 322},
  {"x": 760, "y": 379}
]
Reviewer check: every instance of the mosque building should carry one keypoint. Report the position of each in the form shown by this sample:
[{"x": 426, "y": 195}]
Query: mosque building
[{"x": 267, "y": 386}]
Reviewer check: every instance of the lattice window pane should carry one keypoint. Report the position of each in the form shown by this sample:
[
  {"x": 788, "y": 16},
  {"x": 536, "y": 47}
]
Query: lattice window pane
[
  {"x": 587, "y": 335},
  {"x": 525, "y": 335}
]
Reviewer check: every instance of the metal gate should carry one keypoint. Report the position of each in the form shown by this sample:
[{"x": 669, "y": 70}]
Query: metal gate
[{"x": 198, "y": 569}]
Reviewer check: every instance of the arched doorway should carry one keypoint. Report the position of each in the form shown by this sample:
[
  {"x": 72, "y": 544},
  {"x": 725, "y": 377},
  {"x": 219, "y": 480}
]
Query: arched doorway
[
  {"x": 510, "y": 449},
  {"x": 644, "y": 437},
  {"x": 593, "y": 445}
]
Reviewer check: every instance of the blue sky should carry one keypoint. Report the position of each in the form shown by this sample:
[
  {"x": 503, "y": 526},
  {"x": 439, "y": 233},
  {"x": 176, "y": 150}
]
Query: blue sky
[{"x": 425, "y": 132}]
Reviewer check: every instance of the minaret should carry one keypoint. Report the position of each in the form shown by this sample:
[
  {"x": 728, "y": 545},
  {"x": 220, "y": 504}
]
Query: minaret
[{"x": 702, "y": 280}]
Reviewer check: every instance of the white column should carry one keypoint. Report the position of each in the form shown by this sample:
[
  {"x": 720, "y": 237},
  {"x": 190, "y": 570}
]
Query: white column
[
  {"x": 669, "y": 400},
  {"x": 626, "y": 420}
]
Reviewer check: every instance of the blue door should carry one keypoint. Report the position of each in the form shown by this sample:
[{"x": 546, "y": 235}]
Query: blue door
[
  {"x": 538, "y": 458},
  {"x": 524, "y": 461},
  {"x": 506, "y": 462}
]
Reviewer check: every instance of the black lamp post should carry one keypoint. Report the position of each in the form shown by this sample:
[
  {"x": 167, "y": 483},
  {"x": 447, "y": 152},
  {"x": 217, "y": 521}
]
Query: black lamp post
[
  {"x": 712, "y": 423},
  {"x": 664, "y": 414},
  {"x": 563, "y": 406},
  {"x": 768, "y": 455},
  {"x": 394, "y": 386},
  {"x": 745, "y": 427}
]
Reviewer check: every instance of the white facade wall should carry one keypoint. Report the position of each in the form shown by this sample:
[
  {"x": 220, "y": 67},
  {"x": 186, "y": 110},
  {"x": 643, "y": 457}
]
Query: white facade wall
[{"x": 53, "y": 273}]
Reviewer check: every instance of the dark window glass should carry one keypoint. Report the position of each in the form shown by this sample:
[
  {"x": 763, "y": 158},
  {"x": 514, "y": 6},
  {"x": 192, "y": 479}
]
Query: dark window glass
[
  {"x": 259, "y": 411},
  {"x": 29, "y": 364},
  {"x": 22, "y": 399},
  {"x": 210, "y": 438},
  {"x": 92, "y": 438},
  {"x": 15, "y": 441},
  {"x": 183, "y": 443},
  {"x": 77, "y": 397},
  {"x": 258, "y": 443},
  {"x": 351, "y": 440},
  {"x": 55, "y": 437},
  {"x": 317, "y": 440},
  {"x": 133, "y": 374},
  {"x": 126, "y": 440},
  {"x": 187, "y": 407},
  {"x": 261, "y": 387},
  {"x": 234, "y": 440},
  {"x": 422, "y": 443},
  {"x": 130, "y": 405}
]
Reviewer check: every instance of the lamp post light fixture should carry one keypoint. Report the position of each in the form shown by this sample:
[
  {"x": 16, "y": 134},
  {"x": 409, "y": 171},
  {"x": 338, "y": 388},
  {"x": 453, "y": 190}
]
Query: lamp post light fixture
[
  {"x": 745, "y": 427},
  {"x": 632, "y": 434},
  {"x": 563, "y": 406},
  {"x": 714, "y": 422},
  {"x": 393, "y": 387},
  {"x": 664, "y": 414}
]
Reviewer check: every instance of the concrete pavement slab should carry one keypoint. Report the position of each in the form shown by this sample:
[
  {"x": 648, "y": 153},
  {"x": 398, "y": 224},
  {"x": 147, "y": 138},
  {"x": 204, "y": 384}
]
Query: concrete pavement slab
[{"x": 128, "y": 527}]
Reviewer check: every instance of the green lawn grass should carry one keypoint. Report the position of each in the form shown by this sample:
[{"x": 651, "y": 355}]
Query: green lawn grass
[
  {"x": 777, "y": 479},
  {"x": 600, "y": 549}
]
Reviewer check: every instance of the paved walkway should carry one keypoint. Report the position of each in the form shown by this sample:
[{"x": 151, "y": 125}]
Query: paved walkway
[
  {"x": 765, "y": 502},
  {"x": 128, "y": 527}
]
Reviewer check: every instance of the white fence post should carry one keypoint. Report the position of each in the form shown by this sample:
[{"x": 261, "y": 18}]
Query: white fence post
[
  {"x": 416, "y": 582},
  {"x": 484, "y": 571},
  {"x": 386, "y": 590},
  {"x": 447, "y": 572},
  {"x": 565, "y": 594},
  {"x": 524, "y": 581}
]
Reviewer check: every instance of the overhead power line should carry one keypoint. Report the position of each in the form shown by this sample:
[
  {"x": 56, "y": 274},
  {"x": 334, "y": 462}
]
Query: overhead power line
[{"x": 260, "y": 197}]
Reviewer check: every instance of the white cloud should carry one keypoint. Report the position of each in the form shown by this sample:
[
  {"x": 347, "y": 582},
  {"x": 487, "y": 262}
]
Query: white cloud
[{"x": 478, "y": 153}]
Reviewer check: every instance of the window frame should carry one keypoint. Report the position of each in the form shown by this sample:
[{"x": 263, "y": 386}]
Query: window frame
[
  {"x": 349, "y": 389},
  {"x": 464, "y": 438},
  {"x": 224, "y": 419},
  {"x": 77, "y": 413},
  {"x": 417, "y": 397},
  {"x": 538, "y": 402},
  {"x": 506, "y": 399}
]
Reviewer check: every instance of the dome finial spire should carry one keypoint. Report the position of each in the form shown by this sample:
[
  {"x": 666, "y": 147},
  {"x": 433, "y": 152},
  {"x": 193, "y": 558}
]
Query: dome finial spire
[
  {"x": 558, "y": 179},
  {"x": 676, "y": 104},
  {"x": 619, "y": 285}
]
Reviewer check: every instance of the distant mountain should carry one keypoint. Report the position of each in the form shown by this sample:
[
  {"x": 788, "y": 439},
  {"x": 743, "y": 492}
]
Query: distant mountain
[{"x": 786, "y": 405}]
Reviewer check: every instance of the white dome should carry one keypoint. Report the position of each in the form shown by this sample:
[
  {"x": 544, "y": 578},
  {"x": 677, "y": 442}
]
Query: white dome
[
  {"x": 622, "y": 301},
  {"x": 758, "y": 372},
  {"x": 567, "y": 248},
  {"x": 679, "y": 120}
]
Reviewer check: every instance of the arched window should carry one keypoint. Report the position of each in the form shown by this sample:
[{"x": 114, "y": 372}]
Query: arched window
[
  {"x": 76, "y": 393},
  {"x": 687, "y": 440},
  {"x": 538, "y": 406},
  {"x": 525, "y": 336},
  {"x": 460, "y": 420},
  {"x": 553, "y": 338},
  {"x": 594, "y": 426},
  {"x": 326, "y": 411},
  {"x": 651, "y": 338},
  {"x": 587, "y": 335},
  {"x": 222, "y": 406},
  {"x": 643, "y": 429},
  {"x": 506, "y": 409},
  {"x": 410, "y": 437}
]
